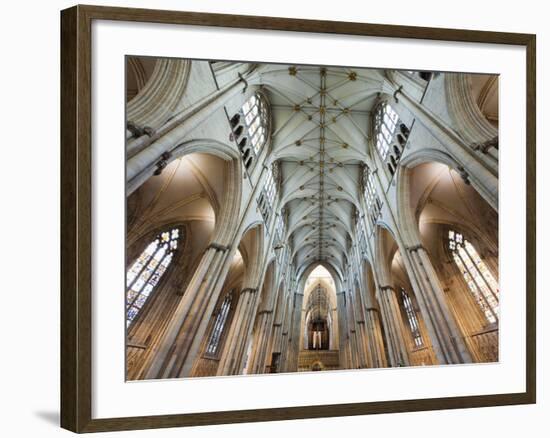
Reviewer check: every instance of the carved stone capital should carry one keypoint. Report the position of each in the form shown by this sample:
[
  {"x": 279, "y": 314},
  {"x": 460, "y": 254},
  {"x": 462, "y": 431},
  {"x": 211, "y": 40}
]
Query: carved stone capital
[
  {"x": 162, "y": 162},
  {"x": 252, "y": 290},
  {"x": 414, "y": 248},
  {"x": 139, "y": 131},
  {"x": 463, "y": 174},
  {"x": 486, "y": 145},
  {"x": 217, "y": 246}
]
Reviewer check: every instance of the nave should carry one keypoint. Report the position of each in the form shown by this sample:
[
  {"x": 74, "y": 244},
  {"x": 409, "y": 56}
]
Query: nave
[{"x": 285, "y": 218}]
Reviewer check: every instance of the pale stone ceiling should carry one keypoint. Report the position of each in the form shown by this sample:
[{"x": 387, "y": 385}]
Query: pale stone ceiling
[{"x": 321, "y": 119}]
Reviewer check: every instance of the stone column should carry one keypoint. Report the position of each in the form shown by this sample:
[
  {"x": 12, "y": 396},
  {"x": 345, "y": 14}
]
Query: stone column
[
  {"x": 350, "y": 359},
  {"x": 342, "y": 329},
  {"x": 445, "y": 336},
  {"x": 264, "y": 318},
  {"x": 259, "y": 353},
  {"x": 275, "y": 345},
  {"x": 474, "y": 126},
  {"x": 281, "y": 313},
  {"x": 358, "y": 354},
  {"x": 393, "y": 323},
  {"x": 273, "y": 339},
  {"x": 361, "y": 328},
  {"x": 284, "y": 342},
  {"x": 374, "y": 336},
  {"x": 169, "y": 355},
  {"x": 179, "y": 347},
  {"x": 375, "y": 343},
  {"x": 475, "y": 168},
  {"x": 372, "y": 317},
  {"x": 232, "y": 357},
  {"x": 292, "y": 328},
  {"x": 354, "y": 349}
]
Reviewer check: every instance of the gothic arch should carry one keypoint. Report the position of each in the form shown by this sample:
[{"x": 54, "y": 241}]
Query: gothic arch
[
  {"x": 468, "y": 229},
  {"x": 407, "y": 214},
  {"x": 325, "y": 305},
  {"x": 251, "y": 247},
  {"x": 472, "y": 124},
  {"x": 306, "y": 270},
  {"x": 324, "y": 208},
  {"x": 212, "y": 345},
  {"x": 159, "y": 97},
  {"x": 385, "y": 248},
  {"x": 138, "y": 243},
  {"x": 145, "y": 329},
  {"x": 224, "y": 198},
  {"x": 159, "y": 160}
]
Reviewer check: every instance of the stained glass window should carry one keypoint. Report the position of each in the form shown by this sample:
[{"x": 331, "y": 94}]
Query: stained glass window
[
  {"x": 270, "y": 186},
  {"x": 480, "y": 280},
  {"x": 411, "y": 317},
  {"x": 219, "y": 324},
  {"x": 266, "y": 200},
  {"x": 146, "y": 272},
  {"x": 385, "y": 125},
  {"x": 361, "y": 234},
  {"x": 373, "y": 202},
  {"x": 254, "y": 112}
]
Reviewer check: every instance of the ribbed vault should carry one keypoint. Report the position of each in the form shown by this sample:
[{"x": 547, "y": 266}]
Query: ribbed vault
[{"x": 321, "y": 127}]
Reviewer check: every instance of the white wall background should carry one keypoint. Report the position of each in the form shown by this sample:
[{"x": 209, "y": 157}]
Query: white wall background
[{"x": 29, "y": 310}]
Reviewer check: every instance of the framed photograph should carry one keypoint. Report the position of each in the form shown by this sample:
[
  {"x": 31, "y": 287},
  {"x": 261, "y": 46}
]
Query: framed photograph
[{"x": 268, "y": 219}]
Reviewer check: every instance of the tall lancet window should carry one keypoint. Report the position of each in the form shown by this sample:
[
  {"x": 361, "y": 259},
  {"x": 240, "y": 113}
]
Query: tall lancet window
[
  {"x": 219, "y": 324},
  {"x": 144, "y": 275},
  {"x": 250, "y": 128},
  {"x": 385, "y": 125},
  {"x": 266, "y": 199},
  {"x": 411, "y": 317},
  {"x": 254, "y": 116},
  {"x": 479, "y": 279},
  {"x": 371, "y": 198},
  {"x": 280, "y": 227},
  {"x": 361, "y": 234},
  {"x": 269, "y": 187}
]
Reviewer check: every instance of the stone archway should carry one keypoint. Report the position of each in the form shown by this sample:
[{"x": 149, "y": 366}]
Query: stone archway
[{"x": 440, "y": 202}]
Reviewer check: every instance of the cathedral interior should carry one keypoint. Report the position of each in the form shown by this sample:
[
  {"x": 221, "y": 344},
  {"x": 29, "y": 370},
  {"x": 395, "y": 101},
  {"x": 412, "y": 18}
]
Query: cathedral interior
[{"x": 296, "y": 218}]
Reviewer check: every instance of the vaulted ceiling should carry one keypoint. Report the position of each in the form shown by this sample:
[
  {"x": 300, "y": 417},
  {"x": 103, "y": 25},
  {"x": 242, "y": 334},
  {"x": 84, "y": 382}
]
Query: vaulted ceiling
[{"x": 321, "y": 126}]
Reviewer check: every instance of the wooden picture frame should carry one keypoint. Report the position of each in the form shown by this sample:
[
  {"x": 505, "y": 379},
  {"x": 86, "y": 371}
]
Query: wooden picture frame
[{"x": 76, "y": 218}]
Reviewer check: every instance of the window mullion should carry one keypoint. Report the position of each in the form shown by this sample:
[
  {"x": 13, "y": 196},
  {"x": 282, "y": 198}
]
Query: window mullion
[
  {"x": 479, "y": 289},
  {"x": 493, "y": 293},
  {"x": 150, "y": 276},
  {"x": 249, "y": 110},
  {"x": 142, "y": 269},
  {"x": 250, "y": 133}
]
